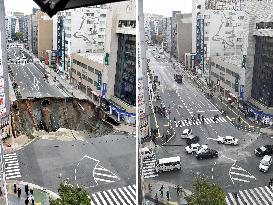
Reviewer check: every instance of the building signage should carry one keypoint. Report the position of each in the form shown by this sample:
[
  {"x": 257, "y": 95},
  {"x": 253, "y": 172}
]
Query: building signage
[
  {"x": 2, "y": 100},
  {"x": 3, "y": 112},
  {"x": 242, "y": 90},
  {"x": 141, "y": 98},
  {"x": 103, "y": 92},
  {"x": 244, "y": 61},
  {"x": 99, "y": 81},
  {"x": 106, "y": 59}
]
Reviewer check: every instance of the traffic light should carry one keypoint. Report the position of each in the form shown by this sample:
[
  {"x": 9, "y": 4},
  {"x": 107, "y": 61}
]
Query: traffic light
[{"x": 236, "y": 86}]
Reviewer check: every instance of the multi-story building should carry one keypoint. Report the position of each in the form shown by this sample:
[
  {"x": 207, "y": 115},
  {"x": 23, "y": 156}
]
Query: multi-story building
[
  {"x": 87, "y": 70},
  {"x": 166, "y": 28},
  {"x": 119, "y": 75},
  {"x": 79, "y": 30},
  {"x": 44, "y": 33},
  {"x": 174, "y": 34},
  {"x": 11, "y": 26},
  {"x": 153, "y": 26},
  {"x": 184, "y": 35}
]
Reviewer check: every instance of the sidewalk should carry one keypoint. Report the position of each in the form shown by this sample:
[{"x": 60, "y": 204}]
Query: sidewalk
[
  {"x": 41, "y": 195},
  {"x": 175, "y": 198}
]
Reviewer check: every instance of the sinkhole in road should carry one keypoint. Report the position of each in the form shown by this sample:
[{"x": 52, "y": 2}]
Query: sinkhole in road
[{"x": 53, "y": 114}]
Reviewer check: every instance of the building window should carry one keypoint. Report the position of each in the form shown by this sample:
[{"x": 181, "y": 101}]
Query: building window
[
  {"x": 78, "y": 73},
  {"x": 91, "y": 69},
  {"x": 95, "y": 83}
]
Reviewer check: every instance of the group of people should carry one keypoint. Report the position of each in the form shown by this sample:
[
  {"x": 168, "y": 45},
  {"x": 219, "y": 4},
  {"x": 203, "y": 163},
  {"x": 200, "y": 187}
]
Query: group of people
[
  {"x": 193, "y": 119},
  {"x": 28, "y": 191},
  {"x": 161, "y": 190}
]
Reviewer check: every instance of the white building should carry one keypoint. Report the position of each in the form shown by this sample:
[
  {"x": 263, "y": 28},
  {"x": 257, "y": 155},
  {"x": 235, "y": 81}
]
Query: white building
[
  {"x": 152, "y": 26},
  {"x": 82, "y": 30}
]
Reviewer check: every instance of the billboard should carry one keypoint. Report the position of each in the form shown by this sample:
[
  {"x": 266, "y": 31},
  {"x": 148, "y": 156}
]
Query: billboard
[{"x": 2, "y": 100}]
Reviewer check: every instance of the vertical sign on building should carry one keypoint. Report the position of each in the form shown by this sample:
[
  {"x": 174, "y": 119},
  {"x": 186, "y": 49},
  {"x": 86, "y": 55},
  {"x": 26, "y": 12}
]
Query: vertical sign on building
[
  {"x": 99, "y": 81},
  {"x": 103, "y": 91},
  {"x": 242, "y": 90}
]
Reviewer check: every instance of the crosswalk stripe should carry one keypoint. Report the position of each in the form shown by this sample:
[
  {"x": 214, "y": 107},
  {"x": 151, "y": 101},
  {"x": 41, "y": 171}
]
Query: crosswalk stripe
[
  {"x": 101, "y": 198},
  {"x": 241, "y": 180},
  {"x": 242, "y": 194},
  {"x": 113, "y": 197},
  {"x": 232, "y": 198},
  {"x": 266, "y": 195},
  {"x": 151, "y": 176},
  {"x": 8, "y": 155},
  {"x": 129, "y": 194},
  {"x": 227, "y": 200},
  {"x": 8, "y": 168},
  {"x": 103, "y": 180},
  {"x": 251, "y": 199},
  {"x": 261, "y": 196},
  {"x": 95, "y": 198},
  {"x": 107, "y": 197},
  {"x": 255, "y": 196},
  {"x": 119, "y": 197},
  {"x": 13, "y": 177},
  {"x": 125, "y": 196},
  {"x": 16, "y": 170},
  {"x": 129, "y": 187}
]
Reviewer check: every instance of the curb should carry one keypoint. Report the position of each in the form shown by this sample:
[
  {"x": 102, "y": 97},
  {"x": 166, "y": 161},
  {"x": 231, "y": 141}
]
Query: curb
[{"x": 52, "y": 194}]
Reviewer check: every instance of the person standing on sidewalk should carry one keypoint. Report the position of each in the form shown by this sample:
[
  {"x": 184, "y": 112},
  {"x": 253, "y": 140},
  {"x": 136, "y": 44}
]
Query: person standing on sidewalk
[
  {"x": 168, "y": 195},
  {"x": 26, "y": 189},
  {"x": 19, "y": 192},
  {"x": 14, "y": 188},
  {"x": 26, "y": 201}
]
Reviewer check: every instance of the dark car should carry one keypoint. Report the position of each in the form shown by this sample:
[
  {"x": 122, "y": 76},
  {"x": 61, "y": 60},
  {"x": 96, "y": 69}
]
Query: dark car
[
  {"x": 264, "y": 150},
  {"x": 192, "y": 139},
  {"x": 210, "y": 153}
]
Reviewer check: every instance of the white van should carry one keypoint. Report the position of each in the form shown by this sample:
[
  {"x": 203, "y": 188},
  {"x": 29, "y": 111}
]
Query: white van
[
  {"x": 168, "y": 164},
  {"x": 146, "y": 153}
]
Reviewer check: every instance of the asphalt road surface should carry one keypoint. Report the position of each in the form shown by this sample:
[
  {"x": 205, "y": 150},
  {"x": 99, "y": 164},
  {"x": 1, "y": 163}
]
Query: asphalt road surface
[
  {"x": 236, "y": 168},
  {"x": 104, "y": 166},
  {"x": 30, "y": 78}
]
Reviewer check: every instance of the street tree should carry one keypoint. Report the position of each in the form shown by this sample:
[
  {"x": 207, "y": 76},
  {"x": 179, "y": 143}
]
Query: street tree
[
  {"x": 19, "y": 36},
  {"x": 70, "y": 195},
  {"x": 206, "y": 193}
]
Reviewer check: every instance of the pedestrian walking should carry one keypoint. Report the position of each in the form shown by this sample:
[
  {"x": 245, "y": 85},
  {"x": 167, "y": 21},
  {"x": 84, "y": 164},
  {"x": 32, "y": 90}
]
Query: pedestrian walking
[
  {"x": 150, "y": 187},
  {"x": 31, "y": 191},
  {"x": 26, "y": 201},
  {"x": 187, "y": 120},
  {"x": 168, "y": 195},
  {"x": 174, "y": 119},
  {"x": 156, "y": 198},
  {"x": 32, "y": 201},
  {"x": 14, "y": 188},
  {"x": 161, "y": 190},
  {"x": 180, "y": 123},
  {"x": 19, "y": 192},
  {"x": 177, "y": 190},
  {"x": 26, "y": 189}
]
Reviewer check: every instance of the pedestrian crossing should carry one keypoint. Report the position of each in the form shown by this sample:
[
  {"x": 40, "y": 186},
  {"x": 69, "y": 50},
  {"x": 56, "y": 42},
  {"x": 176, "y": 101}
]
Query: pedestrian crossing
[
  {"x": 12, "y": 169},
  {"x": 254, "y": 196},
  {"x": 120, "y": 196},
  {"x": 185, "y": 123},
  {"x": 148, "y": 169}
]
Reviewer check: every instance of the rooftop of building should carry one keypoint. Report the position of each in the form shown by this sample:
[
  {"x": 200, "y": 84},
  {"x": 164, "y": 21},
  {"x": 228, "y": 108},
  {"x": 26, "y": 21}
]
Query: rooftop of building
[
  {"x": 233, "y": 59},
  {"x": 95, "y": 57}
]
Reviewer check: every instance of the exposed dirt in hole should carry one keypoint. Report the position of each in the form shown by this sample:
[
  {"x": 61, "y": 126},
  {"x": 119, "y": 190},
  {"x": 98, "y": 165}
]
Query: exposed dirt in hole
[{"x": 58, "y": 116}]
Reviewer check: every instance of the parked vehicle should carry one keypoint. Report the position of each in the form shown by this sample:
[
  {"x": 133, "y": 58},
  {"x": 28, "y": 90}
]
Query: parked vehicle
[
  {"x": 265, "y": 163},
  {"x": 210, "y": 153},
  {"x": 227, "y": 140},
  {"x": 146, "y": 153},
  {"x": 264, "y": 150},
  {"x": 168, "y": 164}
]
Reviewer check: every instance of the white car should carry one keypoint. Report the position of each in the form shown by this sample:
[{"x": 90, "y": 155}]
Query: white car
[
  {"x": 192, "y": 148},
  {"x": 186, "y": 133},
  {"x": 202, "y": 149},
  {"x": 227, "y": 140},
  {"x": 265, "y": 163}
]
